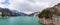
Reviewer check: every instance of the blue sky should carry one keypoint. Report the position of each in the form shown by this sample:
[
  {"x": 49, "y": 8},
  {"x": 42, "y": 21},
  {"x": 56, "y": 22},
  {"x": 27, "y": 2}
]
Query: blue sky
[{"x": 28, "y": 6}]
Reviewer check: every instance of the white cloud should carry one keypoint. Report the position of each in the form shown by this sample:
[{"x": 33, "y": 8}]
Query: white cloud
[
  {"x": 29, "y": 5},
  {"x": 28, "y": 12},
  {"x": 2, "y": 0},
  {"x": 1, "y": 5},
  {"x": 23, "y": 5}
]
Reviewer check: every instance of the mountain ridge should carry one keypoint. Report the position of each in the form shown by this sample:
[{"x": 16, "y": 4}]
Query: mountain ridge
[{"x": 7, "y": 12}]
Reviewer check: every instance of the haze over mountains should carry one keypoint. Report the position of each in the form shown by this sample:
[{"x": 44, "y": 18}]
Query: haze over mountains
[{"x": 7, "y": 12}]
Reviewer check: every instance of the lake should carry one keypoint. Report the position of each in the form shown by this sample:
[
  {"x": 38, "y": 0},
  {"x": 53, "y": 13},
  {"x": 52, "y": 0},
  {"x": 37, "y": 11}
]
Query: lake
[{"x": 20, "y": 20}]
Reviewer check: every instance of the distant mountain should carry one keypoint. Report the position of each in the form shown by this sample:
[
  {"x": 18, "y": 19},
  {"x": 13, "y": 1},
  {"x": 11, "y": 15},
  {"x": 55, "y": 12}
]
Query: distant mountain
[
  {"x": 32, "y": 14},
  {"x": 7, "y": 12},
  {"x": 18, "y": 13}
]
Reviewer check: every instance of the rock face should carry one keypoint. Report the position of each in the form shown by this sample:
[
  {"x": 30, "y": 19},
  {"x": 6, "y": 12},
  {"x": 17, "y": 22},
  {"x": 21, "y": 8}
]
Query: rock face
[
  {"x": 55, "y": 9},
  {"x": 5, "y": 12},
  {"x": 48, "y": 14}
]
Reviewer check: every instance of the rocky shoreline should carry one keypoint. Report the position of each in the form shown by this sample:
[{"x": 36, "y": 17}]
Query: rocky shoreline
[{"x": 46, "y": 21}]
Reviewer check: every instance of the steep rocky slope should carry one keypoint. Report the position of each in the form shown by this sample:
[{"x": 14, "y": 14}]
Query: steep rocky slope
[{"x": 48, "y": 12}]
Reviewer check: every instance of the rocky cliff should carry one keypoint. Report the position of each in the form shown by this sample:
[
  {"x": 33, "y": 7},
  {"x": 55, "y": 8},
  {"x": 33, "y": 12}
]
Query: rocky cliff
[
  {"x": 48, "y": 12},
  {"x": 46, "y": 15}
]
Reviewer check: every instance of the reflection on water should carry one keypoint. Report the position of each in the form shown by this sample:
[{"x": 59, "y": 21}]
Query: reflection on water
[{"x": 19, "y": 21}]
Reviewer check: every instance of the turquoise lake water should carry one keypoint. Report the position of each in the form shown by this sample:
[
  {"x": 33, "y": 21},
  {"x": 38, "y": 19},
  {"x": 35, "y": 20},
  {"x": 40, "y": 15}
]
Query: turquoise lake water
[{"x": 20, "y": 20}]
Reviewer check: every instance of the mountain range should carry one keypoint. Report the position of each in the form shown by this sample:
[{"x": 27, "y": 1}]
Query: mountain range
[{"x": 7, "y": 12}]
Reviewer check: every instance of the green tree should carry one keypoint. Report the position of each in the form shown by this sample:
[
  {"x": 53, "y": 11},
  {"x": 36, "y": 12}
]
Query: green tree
[{"x": 44, "y": 14}]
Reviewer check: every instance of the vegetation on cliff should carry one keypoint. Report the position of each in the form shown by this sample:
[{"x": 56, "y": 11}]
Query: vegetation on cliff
[
  {"x": 44, "y": 14},
  {"x": 49, "y": 12}
]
